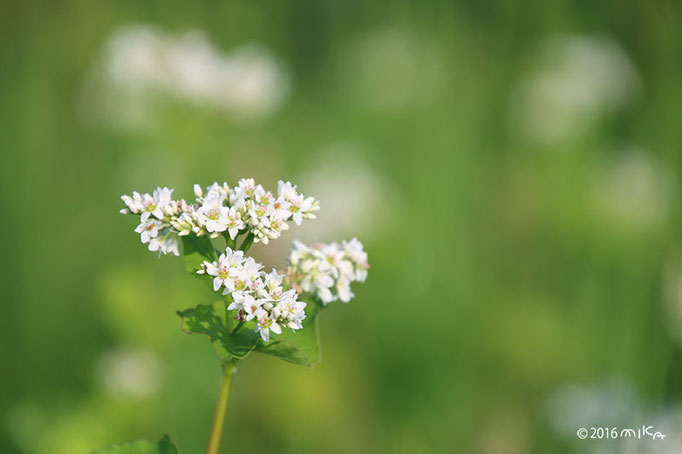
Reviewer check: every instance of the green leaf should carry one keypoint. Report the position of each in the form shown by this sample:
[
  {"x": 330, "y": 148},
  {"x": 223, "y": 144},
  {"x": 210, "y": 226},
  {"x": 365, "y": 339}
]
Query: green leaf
[
  {"x": 301, "y": 347},
  {"x": 195, "y": 250},
  {"x": 164, "y": 446},
  {"x": 204, "y": 319}
]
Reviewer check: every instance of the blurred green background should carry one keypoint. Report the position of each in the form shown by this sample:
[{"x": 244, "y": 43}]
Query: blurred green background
[{"x": 511, "y": 167}]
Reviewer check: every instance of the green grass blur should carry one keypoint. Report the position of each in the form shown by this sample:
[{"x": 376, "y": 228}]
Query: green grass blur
[{"x": 508, "y": 266}]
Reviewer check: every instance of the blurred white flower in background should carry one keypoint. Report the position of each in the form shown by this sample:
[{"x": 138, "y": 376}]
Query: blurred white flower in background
[
  {"x": 140, "y": 63},
  {"x": 129, "y": 374},
  {"x": 357, "y": 199},
  {"x": 575, "y": 81},
  {"x": 612, "y": 404},
  {"x": 608, "y": 404},
  {"x": 633, "y": 190}
]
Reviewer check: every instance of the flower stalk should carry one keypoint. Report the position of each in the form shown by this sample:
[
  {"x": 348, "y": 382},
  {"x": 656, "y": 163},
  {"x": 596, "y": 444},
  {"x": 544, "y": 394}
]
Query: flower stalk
[{"x": 221, "y": 408}]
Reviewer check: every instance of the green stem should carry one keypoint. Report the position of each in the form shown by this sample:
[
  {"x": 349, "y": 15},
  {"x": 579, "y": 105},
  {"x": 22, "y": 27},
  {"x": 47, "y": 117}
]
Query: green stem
[
  {"x": 236, "y": 328},
  {"x": 229, "y": 242},
  {"x": 246, "y": 244},
  {"x": 228, "y": 301},
  {"x": 221, "y": 407}
]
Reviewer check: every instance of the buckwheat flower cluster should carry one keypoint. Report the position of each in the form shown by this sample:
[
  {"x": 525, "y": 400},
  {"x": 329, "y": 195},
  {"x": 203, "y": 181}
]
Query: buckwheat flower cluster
[
  {"x": 218, "y": 210},
  {"x": 327, "y": 270},
  {"x": 255, "y": 294},
  {"x": 156, "y": 211},
  {"x": 265, "y": 214}
]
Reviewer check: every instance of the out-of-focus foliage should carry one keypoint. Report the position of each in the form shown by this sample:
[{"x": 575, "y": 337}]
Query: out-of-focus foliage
[
  {"x": 164, "y": 446},
  {"x": 513, "y": 170}
]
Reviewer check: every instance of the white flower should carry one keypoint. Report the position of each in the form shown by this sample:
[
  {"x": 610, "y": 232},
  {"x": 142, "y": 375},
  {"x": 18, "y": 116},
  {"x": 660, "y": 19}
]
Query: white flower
[
  {"x": 266, "y": 215},
  {"x": 142, "y": 64},
  {"x": 165, "y": 244},
  {"x": 324, "y": 270},
  {"x": 273, "y": 283},
  {"x": 292, "y": 311},
  {"x": 250, "y": 306},
  {"x": 244, "y": 190},
  {"x": 150, "y": 206},
  {"x": 234, "y": 222},
  {"x": 214, "y": 214},
  {"x": 249, "y": 272},
  {"x": 217, "y": 192},
  {"x": 256, "y": 294},
  {"x": 148, "y": 229},
  {"x": 133, "y": 204},
  {"x": 576, "y": 81},
  {"x": 222, "y": 271},
  {"x": 198, "y": 192},
  {"x": 266, "y": 324},
  {"x": 286, "y": 190},
  {"x": 354, "y": 251},
  {"x": 327, "y": 270},
  {"x": 184, "y": 224},
  {"x": 246, "y": 208},
  {"x": 343, "y": 290},
  {"x": 296, "y": 207},
  {"x": 163, "y": 196}
]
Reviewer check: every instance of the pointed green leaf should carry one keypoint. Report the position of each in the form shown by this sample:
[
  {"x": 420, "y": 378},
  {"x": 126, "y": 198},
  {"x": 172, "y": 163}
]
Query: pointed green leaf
[
  {"x": 301, "y": 347},
  {"x": 195, "y": 250},
  {"x": 204, "y": 319},
  {"x": 164, "y": 446}
]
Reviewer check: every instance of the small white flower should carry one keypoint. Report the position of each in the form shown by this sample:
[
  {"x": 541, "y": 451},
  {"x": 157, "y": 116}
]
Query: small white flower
[
  {"x": 286, "y": 190},
  {"x": 266, "y": 324},
  {"x": 249, "y": 272},
  {"x": 273, "y": 284},
  {"x": 163, "y": 196},
  {"x": 165, "y": 244},
  {"x": 217, "y": 192},
  {"x": 133, "y": 206},
  {"x": 222, "y": 271},
  {"x": 327, "y": 270},
  {"x": 148, "y": 229},
  {"x": 343, "y": 290},
  {"x": 234, "y": 222},
  {"x": 215, "y": 215},
  {"x": 150, "y": 206},
  {"x": 198, "y": 192},
  {"x": 244, "y": 190},
  {"x": 250, "y": 305},
  {"x": 298, "y": 206}
]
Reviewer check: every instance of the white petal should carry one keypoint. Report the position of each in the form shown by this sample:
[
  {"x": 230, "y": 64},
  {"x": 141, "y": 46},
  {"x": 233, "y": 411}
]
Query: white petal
[{"x": 158, "y": 213}]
